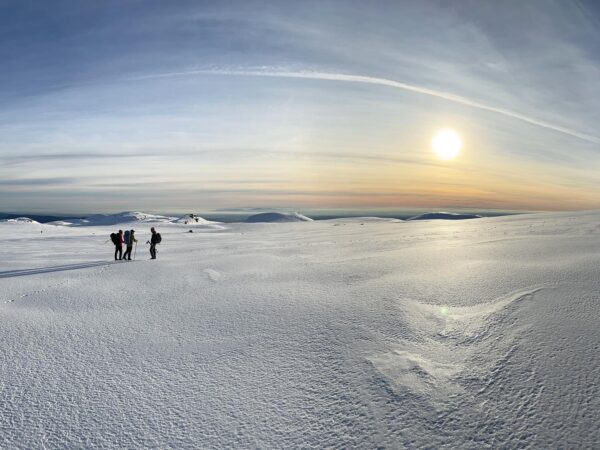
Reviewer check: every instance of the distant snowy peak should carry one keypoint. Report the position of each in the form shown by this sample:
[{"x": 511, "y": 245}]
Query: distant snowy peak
[
  {"x": 125, "y": 217},
  {"x": 113, "y": 219},
  {"x": 132, "y": 217},
  {"x": 278, "y": 217},
  {"x": 20, "y": 220},
  {"x": 444, "y": 216},
  {"x": 192, "y": 219}
]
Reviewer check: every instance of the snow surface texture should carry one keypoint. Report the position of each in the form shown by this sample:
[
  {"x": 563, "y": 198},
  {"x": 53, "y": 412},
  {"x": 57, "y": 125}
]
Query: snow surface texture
[
  {"x": 441, "y": 334},
  {"x": 278, "y": 217},
  {"x": 444, "y": 216}
]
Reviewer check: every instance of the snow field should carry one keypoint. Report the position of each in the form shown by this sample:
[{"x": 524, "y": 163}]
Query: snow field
[{"x": 357, "y": 333}]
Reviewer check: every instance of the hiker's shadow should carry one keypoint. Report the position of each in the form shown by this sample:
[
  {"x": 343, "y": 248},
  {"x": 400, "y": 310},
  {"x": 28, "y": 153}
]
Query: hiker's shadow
[{"x": 40, "y": 270}]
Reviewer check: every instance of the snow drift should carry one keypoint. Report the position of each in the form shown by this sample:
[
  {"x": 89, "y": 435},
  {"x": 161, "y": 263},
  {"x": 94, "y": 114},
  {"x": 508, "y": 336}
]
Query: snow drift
[{"x": 278, "y": 217}]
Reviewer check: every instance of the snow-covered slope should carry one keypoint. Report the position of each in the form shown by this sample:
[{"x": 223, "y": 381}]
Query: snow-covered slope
[
  {"x": 278, "y": 217},
  {"x": 428, "y": 334},
  {"x": 192, "y": 219},
  {"x": 444, "y": 216}
]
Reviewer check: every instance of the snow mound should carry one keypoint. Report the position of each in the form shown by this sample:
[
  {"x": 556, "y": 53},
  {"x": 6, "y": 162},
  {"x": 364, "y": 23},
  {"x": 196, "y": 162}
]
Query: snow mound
[
  {"x": 444, "y": 216},
  {"x": 192, "y": 219},
  {"x": 113, "y": 219},
  {"x": 20, "y": 220},
  {"x": 278, "y": 217}
]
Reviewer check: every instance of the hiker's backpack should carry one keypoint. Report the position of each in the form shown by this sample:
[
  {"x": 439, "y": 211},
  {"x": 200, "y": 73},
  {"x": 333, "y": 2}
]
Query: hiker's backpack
[
  {"x": 126, "y": 237},
  {"x": 114, "y": 237},
  {"x": 158, "y": 238}
]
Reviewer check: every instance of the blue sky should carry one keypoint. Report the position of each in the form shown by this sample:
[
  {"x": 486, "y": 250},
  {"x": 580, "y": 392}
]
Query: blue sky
[{"x": 191, "y": 106}]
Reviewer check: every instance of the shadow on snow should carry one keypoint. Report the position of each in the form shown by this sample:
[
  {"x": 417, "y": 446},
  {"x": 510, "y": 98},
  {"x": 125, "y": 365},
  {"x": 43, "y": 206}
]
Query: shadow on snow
[{"x": 39, "y": 270}]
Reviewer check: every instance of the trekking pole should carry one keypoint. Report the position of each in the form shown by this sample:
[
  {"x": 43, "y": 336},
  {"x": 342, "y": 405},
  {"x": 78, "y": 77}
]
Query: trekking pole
[{"x": 135, "y": 251}]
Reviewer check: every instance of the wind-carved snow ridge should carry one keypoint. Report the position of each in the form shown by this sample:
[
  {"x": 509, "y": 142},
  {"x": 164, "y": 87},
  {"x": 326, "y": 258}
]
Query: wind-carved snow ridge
[{"x": 452, "y": 351}]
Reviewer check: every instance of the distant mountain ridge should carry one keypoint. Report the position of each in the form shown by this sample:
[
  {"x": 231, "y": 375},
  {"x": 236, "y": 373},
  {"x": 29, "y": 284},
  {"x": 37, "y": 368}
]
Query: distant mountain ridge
[
  {"x": 20, "y": 220},
  {"x": 37, "y": 217},
  {"x": 193, "y": 219},
  {"x": 444, "y": 216},
  {"x": 278, "y": 217},
  {"x": 130, "y": 217},
  {"x": 113, "y": 219}
]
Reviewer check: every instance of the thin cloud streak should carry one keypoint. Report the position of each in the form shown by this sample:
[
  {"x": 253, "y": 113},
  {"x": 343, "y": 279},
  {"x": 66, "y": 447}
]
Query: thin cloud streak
[{"x": 326, "y": 76}]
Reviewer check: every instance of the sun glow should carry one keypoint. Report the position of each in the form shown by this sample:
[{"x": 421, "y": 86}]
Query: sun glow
[{"x": 446, "y": 144}]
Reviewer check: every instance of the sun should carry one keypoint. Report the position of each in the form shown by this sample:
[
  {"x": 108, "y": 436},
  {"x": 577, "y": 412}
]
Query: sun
[{"x": 446, "y": 144}]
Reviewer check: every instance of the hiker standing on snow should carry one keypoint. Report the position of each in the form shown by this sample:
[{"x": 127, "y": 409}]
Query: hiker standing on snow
[
  {"x": 129, "y": 240},
  {"x": 155, "y": 239},
  {"x": 118, "y": 241}
]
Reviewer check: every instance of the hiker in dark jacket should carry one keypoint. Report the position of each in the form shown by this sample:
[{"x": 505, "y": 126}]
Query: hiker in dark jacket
[
  {"x": 155, "y": 239},
  {"x": 129, "y": 240},
  {"x": 119, "y": 245}
]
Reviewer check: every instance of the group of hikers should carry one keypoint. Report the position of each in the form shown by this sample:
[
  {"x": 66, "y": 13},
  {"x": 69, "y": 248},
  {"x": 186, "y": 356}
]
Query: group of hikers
[{"x": 128, "y": 238}]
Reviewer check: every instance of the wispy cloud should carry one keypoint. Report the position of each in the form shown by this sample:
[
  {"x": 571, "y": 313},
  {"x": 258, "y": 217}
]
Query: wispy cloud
[
  {"x": 350, "y": 78},
  {"x": 37, "y": 182}
]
